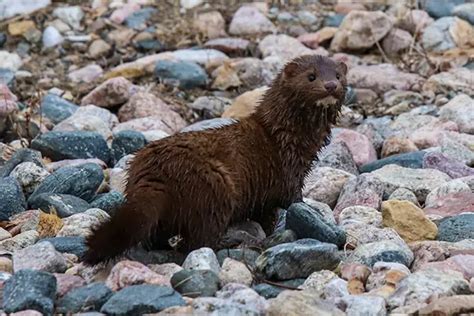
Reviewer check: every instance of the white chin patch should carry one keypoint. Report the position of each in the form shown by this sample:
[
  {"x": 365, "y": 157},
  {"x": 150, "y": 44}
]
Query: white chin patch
[{"x": 327, "y": 101}]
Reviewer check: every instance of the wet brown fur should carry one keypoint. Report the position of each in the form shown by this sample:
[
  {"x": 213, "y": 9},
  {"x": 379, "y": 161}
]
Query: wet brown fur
[{"x": 196, "y": 184}]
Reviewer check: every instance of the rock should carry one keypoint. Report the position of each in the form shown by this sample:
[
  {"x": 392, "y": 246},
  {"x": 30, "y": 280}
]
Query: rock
[
  {"x": 359, "y": 305},
  {"x": 451, "y": 204},
  {"x": 153, "y": 123},
  {"x": 385, "y": 276},
  {"x": 460, "y": 110},
  {"x": 41, "y": 256},
  {"x": 313, "y": 40},
  {"x": 363, "y": 214},
  {"x": 414, "y": 21},
  {"x": 99, "y": 48},
  {"x": 12, "y": 200},
  {"x": 67, "y": 282},
  {"x": 78, "y": 225},
  {"x": 86, "y": 74},
  {"x": 195, "y": 283},
  {"x": 450, "y": 305},
  {"x": 87, "y": 298},
  {"x": 140, "y": 299},
  {"x": 297, "y": 259},
  {"x": 248, "y": 20},
  {"x": 403, "y": 194},
  {"x": 229, "y": 45},
  {"x": 19, "y": 241},
  {"x": 202, "y": 259},
  {"x": 412, "y": 160},
  {"x": 439, "y": 10},
  {"x": 64, "y": 204},
  {"x": 72, "y": 145},
  {"x": 337, "y": 155},
  {"x": 112, "y": 92},
  {"x": 51, "y": 37},
  {"x": 301, "y": 303},
  {"x": 419, "y": 181},
  {"x": 335, "y": 289},
  {"x": 309, "y": 223},
  {"x": 138, "y": 19},
  {"x": 127, "y": 142},
  {"x": 4, "y": 234},
  {"x": 382, "y": 78},
  {"x": 71, "y": 15},
  {"x": 359, "y": 233},
  {"x": 108, "y": 202},
  {"x": 72, "y": 245},
  {"x": 81, "y": 181},
  {"x": 10, "y": 8},
  {"x": 270, "y": 291},
  {"x": 333, "y": 20},
  {"x": 10, "y": 61},
  {"x": 460, "y": 263},
  {"x": 83, "y": 120},
  {"x": 397, "y": 145},
  {"x": 418, "y": 287},
  {"x": 211, "y": 106},
  {"x": 365, "y": 190},
  {"x": 456, "y": 228},
  {"x": 283, "y": 46},
  {"x": 443, "y": 34},
  {"x": 186, "y": 75},
  {"x": 449, "y": 188},
  {"x": 234, "y": 271},
  {"x": 322, "y": 208},
  {"x": 29, "y": 289},
  {"x": 324, "y": 184},
  {"x": 396, "y": 41},
  {"x": 211, "y": 24},
  {"x": 57, "y": 109},
  {"x": 245, "y": 104},
  {"x": 20, "y": 27},
  {"x": 359, "y": 145},
  {"x": 317, "y": 281},
  {"x": 189, "y": 4},
  {"x": 453, "y": 168},
  {"x": 408, "y": 220},
  {"x": 352, "y": 33},
  {"x": 246, "y": 256},
  {"x": 126, "y": 273},
  {"x": 464, "y": 11},
  {"x": 386, "y": 250},
  {"x": 7, "y": 77},
  {"x": 456, "y": 79}
]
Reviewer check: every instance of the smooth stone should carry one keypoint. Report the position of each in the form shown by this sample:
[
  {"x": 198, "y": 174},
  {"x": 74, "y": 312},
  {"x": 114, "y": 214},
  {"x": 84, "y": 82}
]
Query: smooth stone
[
  {"x": 396, "y": 41},
  {"x": 195, "y": 283},
  {"x": 460, "y": 263},
  {"x": 19, "y": 241},
  {"x": 460, "y": 110},
  {"x": 317, "y": 281},
  {"x": 29, "y": 176},
  {"x": 247, "y": 256},
  {"x": 81, "y": 224},
  {"x": 87, "y": 298},
  {"x": 64, "y": 204},
  {"x": 99, "y": 48},
  {"x": 285, "y": 47},
  {"x": 108, "y": 202},
  {"x": 73, "y": 245},
  {"x": 297, "y": 259},
  {"x": 271, "y": 291},
  {"x": 234, "y": 271},
  {"x": 279, "y": 237},
  {"x": 202, "y": 259},
  {"x": 186, "y": 75},
  {"x": 211, "y": 24},
  {"x": 452, "y": 167},
  {"x": 10, "y": 61},
  {"x": 464, "y": 11},
  {"x": 126, "y": 273},
  {"x": 211, "y": 106},
  {"x": 86, "y": 74},
  {"x": 21, "y": 155},
  {"x": 138, "y": 19},
  {"x": 51, "y": 37},
  {"x": 72, "y": 15},
  {"x": 456, "y": 80},
  {"x": 333, "y": 20},
  {"x": 110, "y": 93},
  {"x": 359, "y": 145},
  {"x": 403, "y": 194},
  {"x": 412, "y": 160},
  {"x": 127, "y": 142},
  {"x": 12, "y": 199},
  {"x": 338, "y": 156},
  {"x": 396, "y": 145},
  {"x": 67, "y": 282},
  {"x": 301, "y": 303},
  {"x": 386, "y": 250},
  {"x": 142, "y": 299},
  {"x": 362, "y": 214},
  {"x": 440, "y": 9},
  {"x": 437, "y": 36},
  {"x": 40, "y": 256},
  {"x": 248, "y": 20},
  {"x": 29, "y": 289},
  {"x": 72, "y": 145},
  {"x": 7, "y": 77},
  {"x": 229, "y": 45},
  {"x": 310, "y": 223},
  {"x": 456, "y": 228}
]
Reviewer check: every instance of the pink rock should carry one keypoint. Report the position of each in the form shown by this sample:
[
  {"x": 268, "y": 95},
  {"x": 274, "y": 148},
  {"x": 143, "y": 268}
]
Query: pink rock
[
  {"x": 229, "y": 45},
  {"x": 167, "y": 123},
  {"x": 165, "y": 269},
  {"x": 397, "y": 145},
  {"x": 67, "y": 282},
  {"x": 119, "y": 15},
  {"x": 28, "y": 312},
  {"x": 415, "y": 21},
  {"x": 345, "y": 8},
  {"x": 355, "y": 271},
  {"x": 453, "y": 168},
  {"x": 360, "y": 146},
  {"x": 7, "y": 101},
  {"x": 126, "y": 273},
  {"x": 249, "y": 20},
  {"x": 396, "y": 41},
  {"x": 88, "y": 73},
  {"x": 461, "y": 263},
  {"x": 110, "y": 93},
  {"x": 452, "y": 204},
  {"x": 143, "y": 104},
  {"x": 427, "y": 251}
]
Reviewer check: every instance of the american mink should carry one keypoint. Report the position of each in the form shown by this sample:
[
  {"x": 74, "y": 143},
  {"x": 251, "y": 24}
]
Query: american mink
[{"x": 196, "y": 184}]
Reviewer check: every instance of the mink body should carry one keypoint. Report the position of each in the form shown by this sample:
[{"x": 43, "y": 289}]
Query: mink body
[{"x": 196, "y": 184}]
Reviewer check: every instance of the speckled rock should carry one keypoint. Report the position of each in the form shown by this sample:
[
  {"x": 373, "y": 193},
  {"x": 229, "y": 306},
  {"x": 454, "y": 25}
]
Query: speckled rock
[
  {"x": 87, "y": 298},
  {"x": 12, "y": 200},
  {"x": 388, "y": 251},
  {"x": 249, "y": 20},
  {"x": 456, "y": 228},
  {"x": 195, "y": 283},
  {"x": 234, "y": 271},
  {"x": 41, "y": 256},
  {"x": 110, "y": 93},
  {"x": 301, "y": 303},
  {"x": 126, "y": 273}
]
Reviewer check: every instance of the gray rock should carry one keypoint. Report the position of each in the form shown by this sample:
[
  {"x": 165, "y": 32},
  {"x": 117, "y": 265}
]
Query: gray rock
[
  {"x": 195, "y": 283},
  {"x": 403, "y": 194},
  {"x": 270, "y": 291},
  {"x": 279, "y": 237},
  {"x": 87, "y": 298},
  {"x": 142, "y": 299},
  {"x": 364, "y": 305},
  {"x": 202, "y": 259},
  {"x": 51, "y": 37},
  {"x": 211, "y": 106},
  {"x": 307, "y": 222},
  {"x": 29, "y": 176},
  {"x": 127, "y": 142},
  {"x": 439, "y": 9},
  {"x": 436, "y": 36},
  {"x": 460, "y": 109},
  {"x": 456, "y": 228},
  {"x": 74, "y": 245},
  {"x": 21, "y": 155},
  {"x": 186, "y": 75},
  {"x": 57, "y": 109},
  {"x": 29, "y": 289},
  {"x": 386, "y": 250},
  {"x": 40, "y": 256},
  {"x": 81, "y": 181},
  {"x": 12, "y": 200},
  {"x": 72, "y": 16},
  {"x": 7, "y": 76},
  {"x": 412, "y": 160},
  {"x": 247, "y": 256},
  {"x": 297, "y": 259},
  {"x": 333, "y": 20},
  {"x": 337, "y": 155},
  {"x": 137, "y": 20},
  {"x": 465, "y": 12},
  {"x": 19, "y": 241},
  {"x": 108, "y": 201},
  {"x": 64, "y": 204}
]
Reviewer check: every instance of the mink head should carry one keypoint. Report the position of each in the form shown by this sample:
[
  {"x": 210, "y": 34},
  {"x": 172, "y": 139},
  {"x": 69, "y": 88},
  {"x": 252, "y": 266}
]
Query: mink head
[{"x": 314, "y": 80}]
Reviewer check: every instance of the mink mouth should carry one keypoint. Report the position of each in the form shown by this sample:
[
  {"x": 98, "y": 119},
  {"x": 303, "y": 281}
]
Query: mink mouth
[{"x": 327, "y": 101}]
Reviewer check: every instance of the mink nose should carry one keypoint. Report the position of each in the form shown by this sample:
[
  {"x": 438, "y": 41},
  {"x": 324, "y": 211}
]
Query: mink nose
[{"x": 330, "y": 86}]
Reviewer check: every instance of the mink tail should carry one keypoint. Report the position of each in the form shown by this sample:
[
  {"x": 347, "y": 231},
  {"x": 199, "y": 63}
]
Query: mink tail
[{"x": 134, "y": 221}]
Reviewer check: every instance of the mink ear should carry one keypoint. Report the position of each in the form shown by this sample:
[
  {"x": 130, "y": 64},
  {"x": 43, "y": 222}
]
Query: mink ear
[
  {"x": 342, "y": 67},
  {"x": 290, "y": 70}
]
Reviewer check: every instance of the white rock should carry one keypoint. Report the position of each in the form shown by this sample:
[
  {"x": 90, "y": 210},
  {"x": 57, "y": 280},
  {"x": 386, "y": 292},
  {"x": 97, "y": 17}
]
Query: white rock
[
  {"x": 460, "y": 110},
  {"x": 189, "y": 4},
  {"x": 52, "y": 37},
  {"x": 10, "y": 8},
  {"x": 70, "y": 15},
  {"x": 10, "y": 60},
  {"x": 29, "y": 175},
  {"x": 202, "y": 259}
]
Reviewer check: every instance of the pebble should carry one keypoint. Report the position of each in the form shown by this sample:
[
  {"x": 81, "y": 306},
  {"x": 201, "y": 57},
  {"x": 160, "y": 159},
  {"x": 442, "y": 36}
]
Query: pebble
[
  {"x": 72, "y": 245},
  {"x": 408, "y": 220},
  {"x": 412, "y": 160},
  {"x": 202, "y": 259},
  {"x": 72, "y": 145},
  {"x": 41, "y": 256},
  {"x": 51, "y": 37},
  {"x": 452, "y": 167},
  {"x": 99, "y": 48},
  {"x": 359, "y": 145},
  {"x": 108, "y": 202},
  {"x": 310, "y": 223},
  {"x": 333, "y": 20},
  {"x": 229, "y": 45},
  {"x": 64, "y": 204},
  {"x": 301, "y": 303},
  {"x": 7, "y": 77},
  {"x": 86, "y": 74},
  {"x": 19, "y": 241},
  {"x": 297, "y": 259},
  {"x": 83, "y": 121},
  {"x": 30, "y": 289},
  {"x": 456, "y": 79},
  {"x": 439, "y": 10},
  {"x": 78, "y": 225},
  {"x": 4, "y": 234},
  {"x": 246, "y": 256},
  {"x": 112, "y": 92},
  {"x": 12, "y": 200},
  {"x": 67, "y": 282},
  {"x": 338, "y": 156},
  {"x": 248, "y": 20},
  {"x": 211, "y": 24},
  {"x": 127, "y": 142},
  {"x": 126, "y": 273},
  {"x": 234, "y": 271},
  {"x": 70, "y": 15},
  {"x": 313, "y": 40},
  {"x": 396, "y": 41},
  {"x": 195, "y": 283},
  {"x": 211, "y": 106},
  {"x": 138, "y": 19},
  {"x": 10, "y": 61},
  {"x": 450, "y": 305},
  {"x": 449, "y": 188},
  {"x": 317, "y": 281},
  {"x": 397, "y": 145},
  {"x": 464, "y": 11},
  {"x": 29, "y": 176},
  {"x": 456, "y": 228},
  {"x": 419, "y": 181},
  {"x": 359, "y": 305},
  {"x": 403, "y": 194},
  {"x": 270, "y": 291},
  {"x": 57, "y": 109},
  {"x": 186, "y": 75},
  {"x": 460, "y": 263},
  {"x": 140, "y": 299},
  {"x": 386, "y": 250},
  {"x": 363, "y": 214},
  {"x": 460, "y": 109},
  {"x": 86, "y": 298},
  {"x": 284, "y": 47}
]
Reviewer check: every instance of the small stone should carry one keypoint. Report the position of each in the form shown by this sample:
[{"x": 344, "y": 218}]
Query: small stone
[
  {"x": 456, "y": 80},
  {"x": 67, "y": 282},
  {"x": 7, "y": 77},
  {"x": 460, "y": 263},
  {"x": 234, "y": 271},
  {"x": 301, "y": 303},
  {"x": 86, "y": 74},
  {"x": 10, "y": 61},
  {"x": 51, "y": 37},
  {"x": 337, "y": 155},
  {"x": 108, "y": 202},
  {"x": 439, "y": 10},
  {"x": 110, "y": 93},
  {"x": 386, "y": 274},
  {"x": 408, "y": 220},
  {"x": 138, "y": 19},
  {"x": 449, "y": 188},
  {"x": 29, "y": 176},
  {"x": 20, "y": 27},
  {"x": 211, "y": 106},
  {"x": 126, "y": 273},
  {"x": 64, "y": 204},
  {"x": 456, "y": 228},
  {"x": 297, "y": 259},
  {"x": 72, "y": 245},
  {"x": 186, "y": 75},
  {"x": 19, "y": 241},
  {"x": 12, "y": 200},
  {"x": 57, "y": 109},
  {"x": 195, "y": 283},
  {"x": 79, "y": 225},
  {"x": 460, "y": 110},
  {"x": 335, "y": 289},
  {"x": 249, "y": 20},
  {"x": 333, "y": 20},
  {"x": 41, "y": 256},
  {"x": 6, "y": 265},
  {"x": 127, "y": 142},
  {"x": 244, "y": 104},
  {"x": 202, "y": 259},
  {"x": 246, "y": 256},
  {"x": 313, "y": 40},
  {"x": 99, "y": 48},
  {"x": 396, "y": 41},
  {"x": 363, "y": 214},
  {"x": 29, "y": 289},
  {"x": 189, "y": 4},
  {"x": 4, "y": 234},
  {"x": 361, "y": 148},
  {"x": 270, "y": 291},
  {"x": 70, "y": 15},
  {"x": 386, "y": 250},
  {"x": 87, "y": 298},
  {"x": 452, "y": 167},
  {"x": 396, "y": 145},
  {"x": 284, "y": 47},
  {"x": 451, "y": 305},
  {"x": 229, "y": 45},
  {"x": 412, "y": 160},
  {"x": 464, "y": 11},
  {"x": 403, "y": 194},
  {"x": 142, "y": 299},
  {"x": 317, "y": 281},
  {"x": 211, "y": 24}
]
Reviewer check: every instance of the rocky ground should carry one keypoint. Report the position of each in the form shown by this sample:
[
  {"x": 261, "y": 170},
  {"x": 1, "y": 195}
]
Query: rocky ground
[{"x": 387, "y": 223}]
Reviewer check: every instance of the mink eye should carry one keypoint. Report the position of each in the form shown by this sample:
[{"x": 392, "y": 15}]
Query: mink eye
[{"x": 311, "y": 77}]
